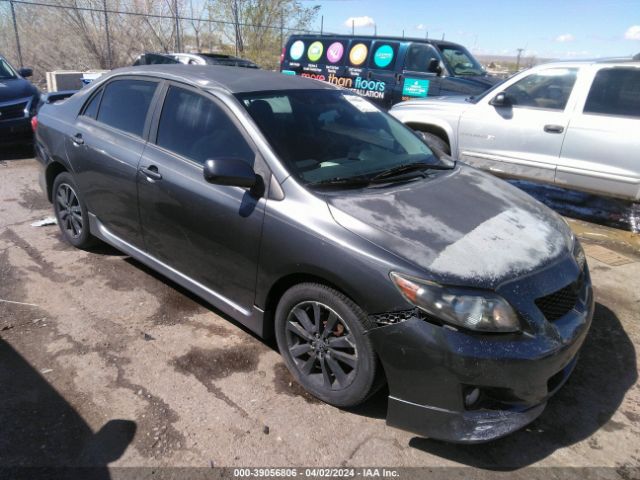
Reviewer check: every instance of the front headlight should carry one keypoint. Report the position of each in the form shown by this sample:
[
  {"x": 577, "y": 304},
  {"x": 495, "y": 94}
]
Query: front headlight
[
  {"x": 480, "y": 311},
  {"x": 578, "y": 253}
]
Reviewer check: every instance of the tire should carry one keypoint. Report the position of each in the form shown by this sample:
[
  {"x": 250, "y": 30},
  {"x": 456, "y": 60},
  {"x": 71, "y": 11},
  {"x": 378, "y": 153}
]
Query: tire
[
  {"x": 71, "y": 212},
  {"x": 335, "y": 364},
  {"x": 435, "y": 142}
]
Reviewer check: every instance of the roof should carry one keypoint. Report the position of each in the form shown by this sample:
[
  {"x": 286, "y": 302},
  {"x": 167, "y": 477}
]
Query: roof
[
  {"x": 444, "y": 43},
  {"x": 232, "y": 79}
]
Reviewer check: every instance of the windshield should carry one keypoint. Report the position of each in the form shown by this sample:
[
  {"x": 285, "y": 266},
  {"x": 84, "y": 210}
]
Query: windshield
[
  {"x": 329, "y": 135},
  {"x": 460, "y": 61},
  {"x": 6, "y": 71}
]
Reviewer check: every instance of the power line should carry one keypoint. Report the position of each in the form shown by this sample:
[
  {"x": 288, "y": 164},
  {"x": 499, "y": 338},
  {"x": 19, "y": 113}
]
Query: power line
[{"x": 152, "y": 15}]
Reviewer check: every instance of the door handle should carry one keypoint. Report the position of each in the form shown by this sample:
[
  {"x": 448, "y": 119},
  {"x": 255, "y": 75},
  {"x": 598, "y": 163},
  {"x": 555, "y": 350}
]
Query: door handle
[
  {"x": 77, "y": 139},
  {"x": 553, "y": 128},
  {"x": 151, "y": 172}
]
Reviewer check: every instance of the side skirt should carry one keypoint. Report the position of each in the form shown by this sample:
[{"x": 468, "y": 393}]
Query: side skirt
[{"x": 253, "y": 319}]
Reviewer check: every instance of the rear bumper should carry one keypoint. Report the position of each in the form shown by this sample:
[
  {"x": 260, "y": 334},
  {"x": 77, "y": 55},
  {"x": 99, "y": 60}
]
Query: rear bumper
[{"x": 430, "y": 370}]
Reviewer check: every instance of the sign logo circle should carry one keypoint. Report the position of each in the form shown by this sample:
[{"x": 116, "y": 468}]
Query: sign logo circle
[
  {"x": 296, "y": 50},
  {"x": 383, "y": 56},
  {"x": 335, "y": 52},
  {"x": 358, "y": 54},
  {"x": 315, "y": 51}
]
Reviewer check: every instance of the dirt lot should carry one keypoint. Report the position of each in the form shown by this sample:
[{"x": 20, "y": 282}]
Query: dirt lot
[{"x": 103, "y": 361}]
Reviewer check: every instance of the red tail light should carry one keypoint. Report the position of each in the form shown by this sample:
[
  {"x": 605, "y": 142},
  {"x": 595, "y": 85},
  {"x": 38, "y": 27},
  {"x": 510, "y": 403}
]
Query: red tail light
[
  {"x": 34, "y": 123},
  {"x": 282, "y": 56}
]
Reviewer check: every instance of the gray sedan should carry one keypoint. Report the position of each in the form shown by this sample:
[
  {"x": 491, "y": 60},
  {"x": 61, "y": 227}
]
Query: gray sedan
[{"x": 305, "y": 212}]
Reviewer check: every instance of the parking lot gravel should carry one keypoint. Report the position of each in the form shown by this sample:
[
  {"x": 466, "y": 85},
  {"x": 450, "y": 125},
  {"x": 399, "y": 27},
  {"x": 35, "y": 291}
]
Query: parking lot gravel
[{"x": 102, "y": 361}]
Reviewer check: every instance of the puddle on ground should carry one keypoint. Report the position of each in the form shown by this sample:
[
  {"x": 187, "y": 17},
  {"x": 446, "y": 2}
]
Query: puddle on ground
[{"x": 215, "y": 363}]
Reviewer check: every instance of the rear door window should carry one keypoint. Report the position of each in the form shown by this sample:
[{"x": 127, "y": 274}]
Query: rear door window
[
  {"x": 125, "y": 104},
  {"x": 91, "y": 109},
  {"x": 615, "y": 91},
  {"x": 196, "y": 128}
]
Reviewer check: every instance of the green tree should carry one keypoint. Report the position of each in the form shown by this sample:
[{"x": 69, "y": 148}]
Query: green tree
[{"x": 258, "y": 28}]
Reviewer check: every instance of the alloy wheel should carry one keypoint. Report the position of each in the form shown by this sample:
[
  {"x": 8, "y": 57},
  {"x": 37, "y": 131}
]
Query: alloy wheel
[
  {"x": 69, "y": 211},
  {"x": 321, "y": 345}
]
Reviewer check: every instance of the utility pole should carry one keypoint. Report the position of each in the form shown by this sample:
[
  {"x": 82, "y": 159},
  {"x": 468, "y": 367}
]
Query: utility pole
[
  {"x": 106, "y": 27},
  {"x": 15, "y": 29},
  {"x": 353, "y": 27},
  {"x": 321, "y": 24},
  {"x": 175, "y": 10},
  {"x": 281, "y": 29},
  {"x": 520, "y": 50}
]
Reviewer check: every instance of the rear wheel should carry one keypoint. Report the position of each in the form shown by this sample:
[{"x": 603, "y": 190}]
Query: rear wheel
[
  {"x": 71, "y": 212},
  {"x": 320, "y": 334}
]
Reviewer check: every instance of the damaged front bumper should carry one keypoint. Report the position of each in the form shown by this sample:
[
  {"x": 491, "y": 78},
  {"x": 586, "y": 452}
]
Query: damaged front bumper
[{"x": 463, "y": 387}]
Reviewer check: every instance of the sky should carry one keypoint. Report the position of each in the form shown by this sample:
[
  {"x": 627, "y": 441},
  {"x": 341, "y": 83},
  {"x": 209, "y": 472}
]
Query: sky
[{"x": 544, "y": 28}]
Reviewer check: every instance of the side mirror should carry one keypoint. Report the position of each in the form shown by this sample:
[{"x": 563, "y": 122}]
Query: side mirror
[
  {"x": 501, "y": 100},
  {"x": 25, "y": 72},
  {"x": 230, "y": 171},
  {"x": 434, "y": 66}
]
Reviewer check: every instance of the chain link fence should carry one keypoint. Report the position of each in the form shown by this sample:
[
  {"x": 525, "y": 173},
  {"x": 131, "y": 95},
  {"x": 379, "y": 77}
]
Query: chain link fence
[{"x": 82, "y": 35}]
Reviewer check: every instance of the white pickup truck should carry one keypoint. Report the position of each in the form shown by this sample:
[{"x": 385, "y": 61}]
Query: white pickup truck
[{"x": 573, "y": 124}]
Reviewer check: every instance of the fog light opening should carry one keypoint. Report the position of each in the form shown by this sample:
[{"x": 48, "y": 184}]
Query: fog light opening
[{"x": 471, "y": 396}]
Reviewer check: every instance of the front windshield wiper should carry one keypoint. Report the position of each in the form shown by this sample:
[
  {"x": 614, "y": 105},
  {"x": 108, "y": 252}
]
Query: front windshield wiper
[
  {"x": 359, "y": 181},
  {"x": 406, "y": 168}
]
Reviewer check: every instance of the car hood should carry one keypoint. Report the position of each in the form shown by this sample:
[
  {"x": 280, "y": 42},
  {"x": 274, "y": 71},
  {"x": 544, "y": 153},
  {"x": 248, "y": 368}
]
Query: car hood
[
  {"x": 462, "y": 227},
  {"x": 16, "y": 88}
]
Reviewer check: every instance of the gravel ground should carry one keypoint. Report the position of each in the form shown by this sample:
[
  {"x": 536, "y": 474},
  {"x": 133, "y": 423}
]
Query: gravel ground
[{"x": 103, "y": 361}]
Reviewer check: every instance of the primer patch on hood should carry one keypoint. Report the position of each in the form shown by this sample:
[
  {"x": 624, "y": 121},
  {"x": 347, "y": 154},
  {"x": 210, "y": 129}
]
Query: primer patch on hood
[{"x": 512, "y": 242}]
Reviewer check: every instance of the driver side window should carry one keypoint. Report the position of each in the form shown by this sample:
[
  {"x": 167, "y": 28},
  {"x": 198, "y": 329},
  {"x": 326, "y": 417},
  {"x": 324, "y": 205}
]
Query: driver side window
[
  {"x": 548, "y": 89},
  {"x": 419, "y": 56}
]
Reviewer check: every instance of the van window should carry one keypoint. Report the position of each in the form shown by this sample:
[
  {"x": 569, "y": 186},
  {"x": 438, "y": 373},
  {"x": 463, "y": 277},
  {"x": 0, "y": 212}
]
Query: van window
[
  {"x": 125, "y": 104},
  {"x": 615, "y": 91},
  {"x": 383, "y": 55},
  {"x": 419, "y": 56},
  {"x": 460, "y": 61}
]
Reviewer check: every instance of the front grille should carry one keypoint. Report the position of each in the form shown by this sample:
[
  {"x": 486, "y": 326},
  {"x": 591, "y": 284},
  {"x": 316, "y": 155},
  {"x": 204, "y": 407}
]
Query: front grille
[
  {"x": 559, "y": 303},
  {"x": 8, "y": 112},
  {"x": 389, "y": 318}
]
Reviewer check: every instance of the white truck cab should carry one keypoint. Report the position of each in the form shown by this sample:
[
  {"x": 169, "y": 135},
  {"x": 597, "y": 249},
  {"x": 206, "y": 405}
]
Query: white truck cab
[{"x": 574, "y": 124}]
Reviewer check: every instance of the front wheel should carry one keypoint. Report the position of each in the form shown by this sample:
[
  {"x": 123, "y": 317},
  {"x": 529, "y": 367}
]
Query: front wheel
[
  {"x": 71, "y": 212},
  {"x": 435, "y": 142},
  {"x": 321, "y": 336}
]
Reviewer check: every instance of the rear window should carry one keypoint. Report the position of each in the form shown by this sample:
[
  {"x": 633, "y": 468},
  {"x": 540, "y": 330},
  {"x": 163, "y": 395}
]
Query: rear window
[
  {"x": 383, "y": 55},
  {"x": 125, "y": 104},
  {"x": 615, "y": 91}
]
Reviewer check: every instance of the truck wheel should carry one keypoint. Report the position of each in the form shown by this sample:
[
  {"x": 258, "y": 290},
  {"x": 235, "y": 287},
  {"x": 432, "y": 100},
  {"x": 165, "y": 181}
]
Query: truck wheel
[{"x": 436, "y": 142}]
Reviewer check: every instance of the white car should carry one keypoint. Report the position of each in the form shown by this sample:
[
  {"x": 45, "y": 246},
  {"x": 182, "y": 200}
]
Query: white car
[{"x": 574, "y": 124}]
